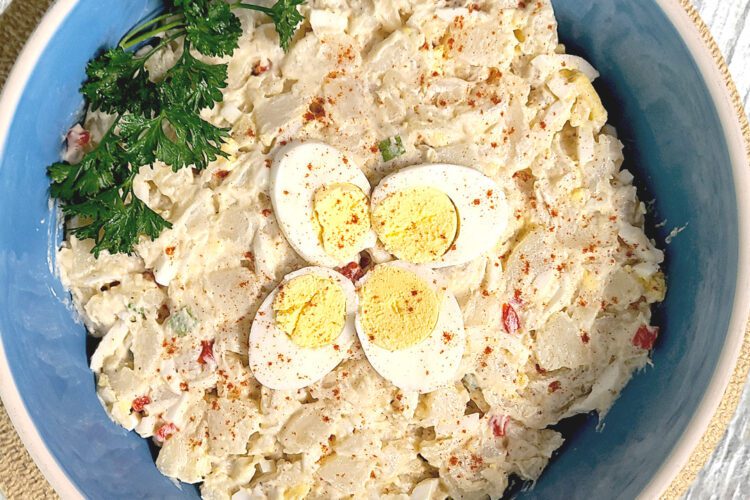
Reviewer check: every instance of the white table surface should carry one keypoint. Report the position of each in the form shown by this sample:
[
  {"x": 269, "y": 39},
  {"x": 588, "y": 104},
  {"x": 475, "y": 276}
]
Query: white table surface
[{"x": 727, "y": 474}]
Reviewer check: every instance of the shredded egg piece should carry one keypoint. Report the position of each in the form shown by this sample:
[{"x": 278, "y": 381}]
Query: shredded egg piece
[
  {"x": 343, "y": 218},
  {"x": 588, "y": 105},
  {"x": 417, "y": 224},
  {"x": 311, "y": 310},
  {"x": 398, "y": 309}
]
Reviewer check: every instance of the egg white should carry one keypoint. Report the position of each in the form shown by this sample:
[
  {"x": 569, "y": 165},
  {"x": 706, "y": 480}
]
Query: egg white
[
  {"x": 480, "y": 226},
  {"x": 431, "y": 363},
  {"x": 293, "y": 187},
  {"x": 291, "y": 366}
]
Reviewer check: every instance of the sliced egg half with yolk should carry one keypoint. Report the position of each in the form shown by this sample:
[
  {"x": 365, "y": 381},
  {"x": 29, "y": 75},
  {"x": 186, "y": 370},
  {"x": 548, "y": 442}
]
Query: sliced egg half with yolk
[
  {"x": 321, "y": 202},
  {"x": 303, "y": 329},
  {"x": 438, "y": 214},
  {"x": 410, "y": 326}
]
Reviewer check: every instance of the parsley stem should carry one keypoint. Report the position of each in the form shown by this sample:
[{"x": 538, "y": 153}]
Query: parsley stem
[
  {"x": 164, "y": 42},
  {"x": 143, "y": 26},
  {"x": 250, "y": 6},
  {"x": 151, "y": 34}
]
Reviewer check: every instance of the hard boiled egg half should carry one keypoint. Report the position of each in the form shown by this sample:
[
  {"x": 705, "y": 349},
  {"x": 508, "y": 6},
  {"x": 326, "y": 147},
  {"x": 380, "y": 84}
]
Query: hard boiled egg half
[
  {"x": 321, "y": 201},
  {"x": 438, "y": 214},
  {"x": 303, "y": 329},
  {"x": 410, "y": 326}
]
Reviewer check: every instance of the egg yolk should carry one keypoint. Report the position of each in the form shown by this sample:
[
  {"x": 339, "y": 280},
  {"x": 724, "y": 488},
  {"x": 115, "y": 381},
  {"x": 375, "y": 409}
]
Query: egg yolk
[
  {"x": 343, "y": 218},
  {"x": 588, "y": 105},
  {"x": 311, "y": 310},
  {"x": 398, "y": 309},
  {"x": 416, "y": 224}
]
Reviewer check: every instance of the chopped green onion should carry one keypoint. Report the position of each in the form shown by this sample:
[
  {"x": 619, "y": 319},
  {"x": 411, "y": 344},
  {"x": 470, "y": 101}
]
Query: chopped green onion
[
  {"x": 391, "y": 148},
  {"x": 137, "y": 310},
  {"x": 182, "y": 322}
]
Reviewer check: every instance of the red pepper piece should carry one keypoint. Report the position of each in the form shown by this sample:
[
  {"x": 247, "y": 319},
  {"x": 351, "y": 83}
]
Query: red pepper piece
[
  {"x": 207, "y": 352},
  {"x": 511, "y": 323},
  {"x": 139, "y": 403},
  {"x": 499, "y": 425},
  {"x": 166, "y": 431},
  {"x": 351, "y": 271},
  {"x": 645, "y": 337}
]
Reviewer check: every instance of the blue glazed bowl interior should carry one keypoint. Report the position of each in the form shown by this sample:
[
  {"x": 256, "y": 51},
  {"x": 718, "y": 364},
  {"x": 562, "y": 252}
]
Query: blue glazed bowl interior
[{"x": 676, "y": 150}]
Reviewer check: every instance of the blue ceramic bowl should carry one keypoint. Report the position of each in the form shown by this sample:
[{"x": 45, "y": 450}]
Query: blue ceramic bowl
[{"x": 667, "y": 99}]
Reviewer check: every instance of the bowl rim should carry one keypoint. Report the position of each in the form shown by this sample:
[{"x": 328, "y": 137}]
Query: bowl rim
[
  {"x": 11, "y": 397},
  {"x": 721, "y": 90},
  {"x": 702, "y": 47}
]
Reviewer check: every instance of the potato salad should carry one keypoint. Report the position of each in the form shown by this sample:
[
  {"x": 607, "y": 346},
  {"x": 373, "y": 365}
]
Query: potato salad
[{"x": 415, "y": 254}]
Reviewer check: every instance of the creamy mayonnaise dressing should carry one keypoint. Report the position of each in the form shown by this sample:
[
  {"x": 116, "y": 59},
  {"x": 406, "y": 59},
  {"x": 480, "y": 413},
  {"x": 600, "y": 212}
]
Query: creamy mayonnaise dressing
[{"x": 556, "y": 315}]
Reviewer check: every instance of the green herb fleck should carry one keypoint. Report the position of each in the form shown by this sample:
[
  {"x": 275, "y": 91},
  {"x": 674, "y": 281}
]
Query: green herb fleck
[
  {"x": 391, "y": 148},
  {"x": 182, "y": 322},
  {"x": 138, "y": 310}
]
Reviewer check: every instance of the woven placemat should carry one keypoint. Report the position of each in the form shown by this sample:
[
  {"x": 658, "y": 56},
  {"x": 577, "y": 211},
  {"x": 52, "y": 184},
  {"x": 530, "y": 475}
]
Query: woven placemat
[{"x": 21, "y": 479}]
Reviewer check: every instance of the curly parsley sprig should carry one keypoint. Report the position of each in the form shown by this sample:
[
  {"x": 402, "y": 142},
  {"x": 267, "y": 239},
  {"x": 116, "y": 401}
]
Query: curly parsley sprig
[{"x": 154, "y": 121}]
